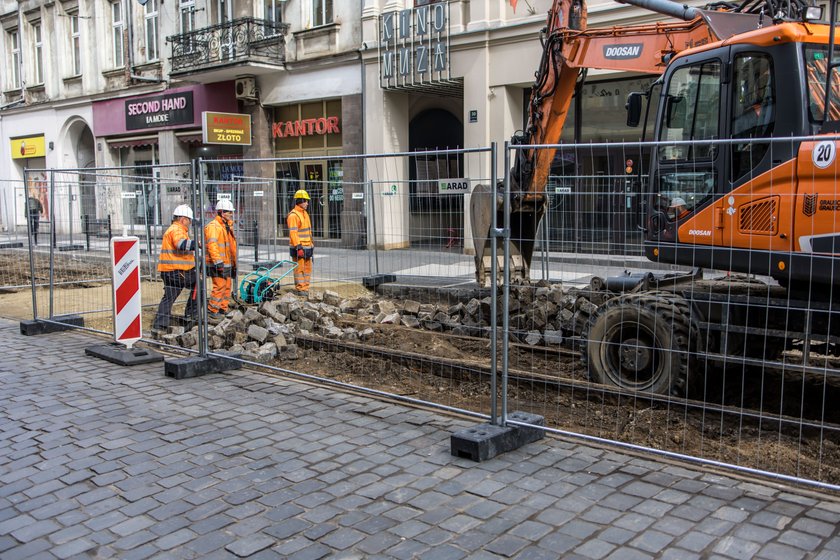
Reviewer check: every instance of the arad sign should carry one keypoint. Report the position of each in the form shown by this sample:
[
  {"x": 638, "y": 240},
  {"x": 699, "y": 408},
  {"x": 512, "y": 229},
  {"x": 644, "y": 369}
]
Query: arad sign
[{"x": 161, "y": 110}]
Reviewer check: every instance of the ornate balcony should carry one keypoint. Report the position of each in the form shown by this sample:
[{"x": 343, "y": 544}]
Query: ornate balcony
[{"x": 241, "y": 41}]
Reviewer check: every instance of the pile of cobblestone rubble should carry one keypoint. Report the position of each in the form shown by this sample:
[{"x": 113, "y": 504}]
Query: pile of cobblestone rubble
[{"x": 539, "y": 315}]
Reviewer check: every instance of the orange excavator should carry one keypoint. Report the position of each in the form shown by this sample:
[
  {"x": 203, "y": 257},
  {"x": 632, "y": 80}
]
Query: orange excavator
[{"x": 736, "y": 78}]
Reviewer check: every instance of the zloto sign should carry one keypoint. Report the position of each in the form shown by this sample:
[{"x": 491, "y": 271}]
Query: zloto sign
[{"x": 414, "y": 46}]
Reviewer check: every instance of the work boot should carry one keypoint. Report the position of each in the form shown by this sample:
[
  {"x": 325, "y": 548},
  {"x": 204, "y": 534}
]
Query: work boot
[{"x": 214, "y": 317}]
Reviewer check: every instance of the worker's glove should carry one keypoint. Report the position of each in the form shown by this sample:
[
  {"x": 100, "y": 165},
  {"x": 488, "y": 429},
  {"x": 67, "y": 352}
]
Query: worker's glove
[{"x": 300, "y": 251}]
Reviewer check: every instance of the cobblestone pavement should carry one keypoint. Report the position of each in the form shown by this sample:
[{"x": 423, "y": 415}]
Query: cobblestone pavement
[{"x": 99, "y": 461}]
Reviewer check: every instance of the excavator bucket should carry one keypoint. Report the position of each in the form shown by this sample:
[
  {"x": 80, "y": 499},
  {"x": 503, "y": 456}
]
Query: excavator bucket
[{"x": 523, "y": 228}]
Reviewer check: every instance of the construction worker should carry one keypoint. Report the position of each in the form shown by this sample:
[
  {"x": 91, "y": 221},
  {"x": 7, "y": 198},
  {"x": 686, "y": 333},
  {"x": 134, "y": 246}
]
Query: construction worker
[
  {"x": 220, "y": 247},
  {"x": 678, "y": 209},
  {"x": 301, "y": 247},
  {"x": 177, "y": 269}
]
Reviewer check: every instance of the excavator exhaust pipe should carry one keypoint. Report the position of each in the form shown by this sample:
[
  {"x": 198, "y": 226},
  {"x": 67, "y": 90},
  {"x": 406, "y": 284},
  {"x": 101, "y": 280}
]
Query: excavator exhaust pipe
[
  {"x": 665, "y": 7},
  {"x": 524, "y": 224}
]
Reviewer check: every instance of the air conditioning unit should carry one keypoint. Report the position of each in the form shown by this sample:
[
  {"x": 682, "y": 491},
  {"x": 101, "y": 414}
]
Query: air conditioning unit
[{"x": 246, "y": 88}]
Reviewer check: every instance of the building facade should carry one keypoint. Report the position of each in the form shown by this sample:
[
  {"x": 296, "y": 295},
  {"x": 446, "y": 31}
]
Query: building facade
[{"x": 126, "y": 84}]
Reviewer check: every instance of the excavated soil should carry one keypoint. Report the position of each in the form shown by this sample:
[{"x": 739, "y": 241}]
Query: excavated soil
[{"x": 740, "y": 439}]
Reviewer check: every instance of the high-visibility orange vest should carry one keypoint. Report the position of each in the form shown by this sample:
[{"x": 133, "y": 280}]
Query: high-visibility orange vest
[
  {"x": 177, "y": 250},
  {"x": 220, "y": 242},
  {"x": 300, "y": 228}
]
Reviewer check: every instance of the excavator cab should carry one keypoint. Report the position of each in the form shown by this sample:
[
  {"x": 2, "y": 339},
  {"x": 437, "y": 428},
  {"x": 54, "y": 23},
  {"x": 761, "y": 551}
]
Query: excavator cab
[{"x": 723, "y": 113}]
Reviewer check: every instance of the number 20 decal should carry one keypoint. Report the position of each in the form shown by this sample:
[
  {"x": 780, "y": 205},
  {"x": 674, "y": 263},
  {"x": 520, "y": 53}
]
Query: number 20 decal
[{"x": 824, "y": 153}]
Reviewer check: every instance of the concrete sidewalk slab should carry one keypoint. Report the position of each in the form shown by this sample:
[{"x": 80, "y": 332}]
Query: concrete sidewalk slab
[{"x": 102, "y": 461}]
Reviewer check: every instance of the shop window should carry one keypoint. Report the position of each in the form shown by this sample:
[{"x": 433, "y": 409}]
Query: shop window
[{"x": 309, "y": 126}]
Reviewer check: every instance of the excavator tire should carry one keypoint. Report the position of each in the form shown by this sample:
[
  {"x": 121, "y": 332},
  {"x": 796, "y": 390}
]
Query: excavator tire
[{"x": 642, "y": 342}]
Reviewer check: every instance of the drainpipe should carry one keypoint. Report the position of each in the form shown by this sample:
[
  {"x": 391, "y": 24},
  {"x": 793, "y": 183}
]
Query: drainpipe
[{"x": 129, "y": 48}]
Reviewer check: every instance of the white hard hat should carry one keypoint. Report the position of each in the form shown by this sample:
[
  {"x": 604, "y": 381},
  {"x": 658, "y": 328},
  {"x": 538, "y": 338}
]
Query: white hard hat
[
  {"x": 183, "y": 210},
  {"x": 225, "y": 204},
  {"x": 677, "y": 201}
]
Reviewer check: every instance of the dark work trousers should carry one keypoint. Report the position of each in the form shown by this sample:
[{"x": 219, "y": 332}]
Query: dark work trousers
[
  {"x": 173, "y": 284},
  {"x": 34, "y": 221}
]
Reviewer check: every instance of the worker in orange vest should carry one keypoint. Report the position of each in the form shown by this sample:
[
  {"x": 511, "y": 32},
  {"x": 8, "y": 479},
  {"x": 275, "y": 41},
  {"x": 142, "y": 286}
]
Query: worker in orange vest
[
  {"x": 301, "y": 247},
  {"x": 220, "y": 243},
  {"x": 177, "y": 270}
]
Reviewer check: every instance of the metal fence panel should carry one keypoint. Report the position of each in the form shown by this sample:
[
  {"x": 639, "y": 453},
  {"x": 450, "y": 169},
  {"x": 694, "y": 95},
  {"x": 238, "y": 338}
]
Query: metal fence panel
[
  {"x": 713, "y": 354},
  {"x": 721, "y": 366}
]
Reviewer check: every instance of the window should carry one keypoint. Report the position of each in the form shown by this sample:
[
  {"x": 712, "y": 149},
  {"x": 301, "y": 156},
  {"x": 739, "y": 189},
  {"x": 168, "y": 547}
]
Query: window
[
  {"x": 753, "y": 110},
  {"x": 274, "y": 10},
  {"x": 273, "y": 16},
  {"x": 14, "y": 56},
  {"x": 38, "y": 44},
  {"x": 75, "y": 44},
  {"x": 816, "y": 63},
  {"x": 187, "y": 8},
  {"x": 151, "y": 17},
  {"x": 117, "y": 32},
  {"x": 322, "y": 13},
  {"x": 692, "y": 109}
]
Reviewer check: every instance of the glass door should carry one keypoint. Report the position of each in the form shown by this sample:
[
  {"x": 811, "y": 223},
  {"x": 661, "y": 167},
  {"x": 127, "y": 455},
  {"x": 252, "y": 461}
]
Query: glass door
[{"x": 314, "y": 176}]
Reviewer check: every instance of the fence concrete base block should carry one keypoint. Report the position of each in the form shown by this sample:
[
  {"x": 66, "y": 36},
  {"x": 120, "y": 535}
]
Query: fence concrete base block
[
  {"x": 70, "y": 247},
  {"x": 11, "y": 245},
  {"x": 377, "y": 279},
  {"x": 485, "y": 441},
  {"x": 196, "y": 366},
  {"x": 62, "y": 323},
  {"x": 117, "y": 353}
]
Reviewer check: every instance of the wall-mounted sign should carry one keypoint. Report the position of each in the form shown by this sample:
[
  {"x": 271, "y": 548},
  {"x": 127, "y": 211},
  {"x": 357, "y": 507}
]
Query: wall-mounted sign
[
  {"x": 414, "y": 46},
  {"x": 453, "y": 186},
  {"x": 30, "y": 147},
  {"x": 473, "y": 115},
  {"x": 160, "y": 110},
  {"x": 305, "y": 127},
  {"x": 226, "y": 128}
]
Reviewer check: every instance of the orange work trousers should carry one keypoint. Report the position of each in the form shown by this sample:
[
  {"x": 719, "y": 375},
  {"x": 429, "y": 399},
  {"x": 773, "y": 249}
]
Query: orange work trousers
[
  {"x": 303, "y": 274},
  {"x": 220, "y": 295}
]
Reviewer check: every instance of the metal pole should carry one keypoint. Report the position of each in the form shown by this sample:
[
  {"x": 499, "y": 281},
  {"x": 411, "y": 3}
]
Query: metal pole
[
  {"x": 494, "y": 292},
  {"x": 373, "y": 225},
  {"x": 70, "y": 210},
  {"x": 506, "y": 293},
  {"x": 31, "y": 238},
  {"x": 256, "y": 241},
  {"x": 545, "y": 240},
  {"x": 198, "y": 228},
  {"x": 144, "y": 201},
  {"x": 52, "y": 245}
]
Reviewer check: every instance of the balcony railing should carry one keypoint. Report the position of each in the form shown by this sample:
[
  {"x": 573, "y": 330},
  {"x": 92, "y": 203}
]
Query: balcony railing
[{"x": 240, "y": 40}]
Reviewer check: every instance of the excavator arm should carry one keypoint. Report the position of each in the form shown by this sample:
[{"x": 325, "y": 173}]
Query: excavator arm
[{"x": 568, "y": 48}]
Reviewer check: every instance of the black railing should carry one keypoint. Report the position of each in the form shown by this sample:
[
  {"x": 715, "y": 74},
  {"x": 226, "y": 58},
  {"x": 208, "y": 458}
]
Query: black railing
[{"x": 240, "y": 40}]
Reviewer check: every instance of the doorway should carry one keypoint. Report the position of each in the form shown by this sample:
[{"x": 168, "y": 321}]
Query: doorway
[{"x": 313, "y": 176}]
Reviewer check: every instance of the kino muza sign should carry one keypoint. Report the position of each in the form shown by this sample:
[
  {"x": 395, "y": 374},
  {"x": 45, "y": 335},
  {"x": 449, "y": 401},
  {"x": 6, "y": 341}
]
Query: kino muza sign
[{"x": 413, "y": 46}]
